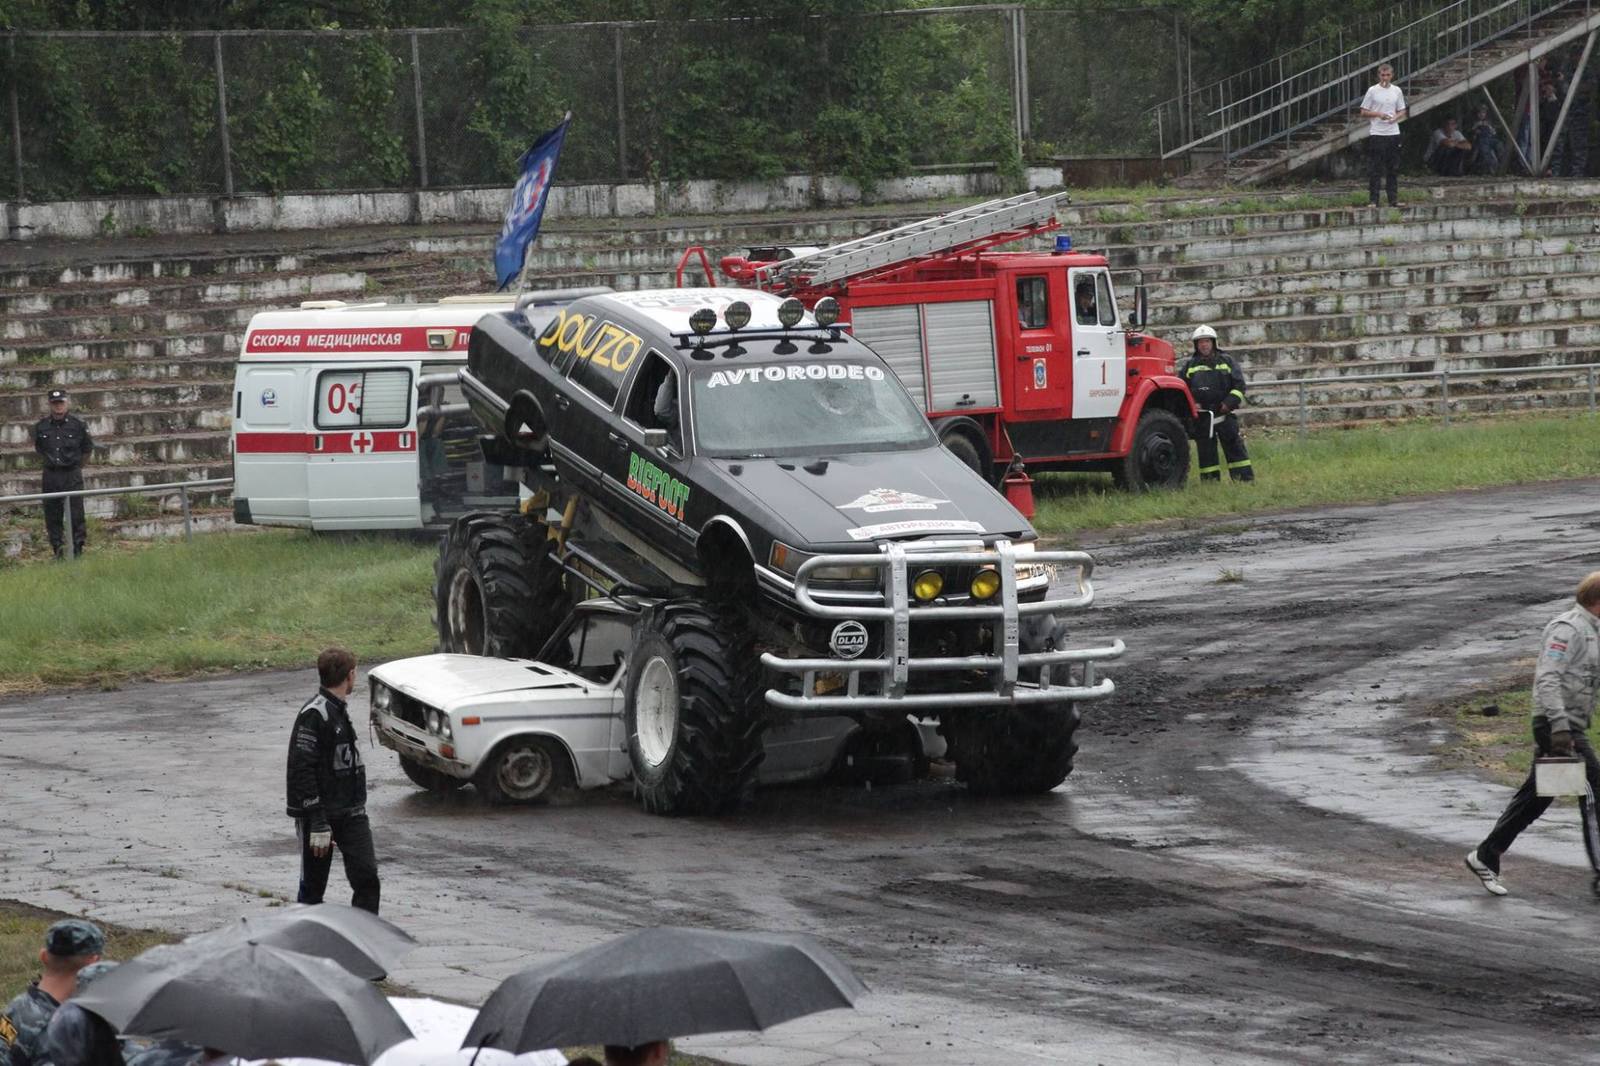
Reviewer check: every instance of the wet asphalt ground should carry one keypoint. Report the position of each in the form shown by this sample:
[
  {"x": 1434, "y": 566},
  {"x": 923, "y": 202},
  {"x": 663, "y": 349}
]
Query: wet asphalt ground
[{"x": 1258, "y": 858}]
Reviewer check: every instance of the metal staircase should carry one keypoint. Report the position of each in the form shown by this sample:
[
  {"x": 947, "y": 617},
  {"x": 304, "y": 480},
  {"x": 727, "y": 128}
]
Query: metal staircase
[
  {"x": 969, "y": 229},
  {"x": 1279, "y": 116}
]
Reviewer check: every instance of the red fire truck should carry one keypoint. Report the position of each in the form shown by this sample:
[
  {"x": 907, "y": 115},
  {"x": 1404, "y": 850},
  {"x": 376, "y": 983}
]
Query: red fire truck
[{"x": 1013, "y": 355}]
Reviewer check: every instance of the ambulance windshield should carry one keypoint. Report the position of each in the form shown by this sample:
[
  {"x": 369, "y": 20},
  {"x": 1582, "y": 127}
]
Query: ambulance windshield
[{"x": 757, "y": 410}]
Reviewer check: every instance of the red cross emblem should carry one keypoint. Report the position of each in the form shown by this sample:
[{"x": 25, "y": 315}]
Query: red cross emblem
[{"x": 361, "y": 443}]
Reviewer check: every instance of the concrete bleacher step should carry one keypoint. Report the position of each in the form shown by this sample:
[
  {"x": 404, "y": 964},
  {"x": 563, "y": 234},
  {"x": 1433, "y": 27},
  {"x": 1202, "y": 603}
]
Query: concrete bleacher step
[
  {"x": 112, "y": 428},
  {"x": 1532, "y": 400},
  {"x": 33, "y": 380},
  {"x": 1462, "y": 344},
  {"x": 154, "y": 447},
  {"x": 149, "y": 347},
  {"x": 118, "y": 397},
  {"x": 1376, "y": 325}
]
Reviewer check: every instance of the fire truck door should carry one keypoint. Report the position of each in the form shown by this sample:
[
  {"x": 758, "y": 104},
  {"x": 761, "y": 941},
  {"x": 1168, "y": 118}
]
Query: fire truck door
[
  {"x": 361, "y": 459},
  {"x": 1041, "y": 344},
  {"x": 1099, "y": 354}
]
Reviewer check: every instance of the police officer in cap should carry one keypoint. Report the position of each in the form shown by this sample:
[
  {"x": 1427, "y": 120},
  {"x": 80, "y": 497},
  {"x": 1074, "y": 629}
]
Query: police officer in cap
[
  {"x": 69, "y": 947},
  {"x": 1217, "y": 384},
  {"x": 76, "y": 1037},
  {"x": 63, "y": 441}
]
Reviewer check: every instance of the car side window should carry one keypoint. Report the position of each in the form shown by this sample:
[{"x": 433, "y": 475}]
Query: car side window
[
  {"x": 654, "y": 399},
  {"x": 547, "y": 346},
  {"x": 597, "y": 646},
  {"x": 1083, "y": 302},
  {"x": 1033, "y": 302},
  {"x": 1108, "y": 306}
]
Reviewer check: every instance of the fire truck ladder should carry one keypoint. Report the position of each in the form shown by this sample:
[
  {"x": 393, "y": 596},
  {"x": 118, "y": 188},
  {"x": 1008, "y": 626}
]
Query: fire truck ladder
[{"x": 1008, "y": 219}]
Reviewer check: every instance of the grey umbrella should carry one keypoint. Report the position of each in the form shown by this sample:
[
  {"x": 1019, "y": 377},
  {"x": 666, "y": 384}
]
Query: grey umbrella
[
  {"x": 250, "y": 1000},
  {"x": 362, "y": 943},
  {"x": 661, "y": 983}
]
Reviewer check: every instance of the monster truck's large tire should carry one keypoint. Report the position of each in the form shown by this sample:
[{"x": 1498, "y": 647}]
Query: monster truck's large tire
[
  {"x": 496, "y": 588},
  {"x": 693, "y": 711},
  {"x": 523, "y": 770},
  {"x": 427, "y": 777},
  {"x": 1159, "y": 458},
  {"x": 1022, "y": 750},
  {"x": 1014, "y": 751}
]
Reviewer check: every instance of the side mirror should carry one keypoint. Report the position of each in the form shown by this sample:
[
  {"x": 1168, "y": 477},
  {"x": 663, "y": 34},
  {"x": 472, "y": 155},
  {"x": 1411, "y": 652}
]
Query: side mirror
[
  {"x": 1141, "y": 306},
  {"x": 656, "y": 438}
]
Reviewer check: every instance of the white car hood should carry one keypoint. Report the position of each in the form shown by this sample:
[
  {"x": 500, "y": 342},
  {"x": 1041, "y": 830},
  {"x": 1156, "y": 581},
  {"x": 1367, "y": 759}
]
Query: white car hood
[{"x": 446, "y": 679}]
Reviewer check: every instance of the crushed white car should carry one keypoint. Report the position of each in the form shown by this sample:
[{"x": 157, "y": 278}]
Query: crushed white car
[{"x": 518, "y": 729}]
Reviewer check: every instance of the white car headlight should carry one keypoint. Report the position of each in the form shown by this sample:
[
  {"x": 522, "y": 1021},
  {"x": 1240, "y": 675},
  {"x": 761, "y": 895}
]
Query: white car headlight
[
  {"x": 382, "y": 696},
  {"x": 444, "y": 727},
  {"x": 1032, "y": 573},
  {"x": 433, "y": 721}
]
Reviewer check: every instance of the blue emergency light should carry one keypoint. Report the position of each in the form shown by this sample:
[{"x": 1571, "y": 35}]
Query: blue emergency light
[{"x": 1063, "y": 242}]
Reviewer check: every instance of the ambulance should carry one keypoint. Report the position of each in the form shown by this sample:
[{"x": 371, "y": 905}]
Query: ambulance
[{"x": 349, "y": 416}]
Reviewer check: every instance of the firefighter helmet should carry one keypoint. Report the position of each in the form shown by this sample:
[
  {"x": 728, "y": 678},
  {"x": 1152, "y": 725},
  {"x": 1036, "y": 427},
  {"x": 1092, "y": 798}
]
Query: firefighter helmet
[{"x": 1204, "y": 333}]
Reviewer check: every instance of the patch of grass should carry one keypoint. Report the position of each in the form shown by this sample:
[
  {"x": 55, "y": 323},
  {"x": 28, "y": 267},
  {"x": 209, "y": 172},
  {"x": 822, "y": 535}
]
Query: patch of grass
[
  {"x": 1501, "y": 743},
  {"x": 22, "y": 935},
  {"x": 1334, "y": 466},
  {"x": 1229, "y": 575},
  {"x": 224, "y": 602}
]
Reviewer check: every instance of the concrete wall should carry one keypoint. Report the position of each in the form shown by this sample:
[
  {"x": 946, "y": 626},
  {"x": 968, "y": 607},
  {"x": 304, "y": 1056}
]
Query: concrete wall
[{"x": 114, "y": 216}]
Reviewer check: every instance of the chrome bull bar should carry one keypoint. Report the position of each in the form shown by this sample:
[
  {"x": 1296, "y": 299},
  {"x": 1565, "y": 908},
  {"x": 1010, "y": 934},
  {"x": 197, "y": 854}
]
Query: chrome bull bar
[{"x": 894, "y": 668}]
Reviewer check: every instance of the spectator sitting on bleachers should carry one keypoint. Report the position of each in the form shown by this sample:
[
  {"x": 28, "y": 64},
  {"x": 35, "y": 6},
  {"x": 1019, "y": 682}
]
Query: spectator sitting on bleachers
[
  {"x": 1448, "y": 150},
  {"x": 1486, "y": 146}
]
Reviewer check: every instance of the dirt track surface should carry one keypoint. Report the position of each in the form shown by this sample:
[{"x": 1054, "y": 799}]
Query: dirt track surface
[{"x": 1258, "y": 859}]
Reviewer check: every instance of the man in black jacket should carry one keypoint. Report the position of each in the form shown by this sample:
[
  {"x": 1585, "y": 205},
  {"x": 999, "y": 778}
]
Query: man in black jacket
[
  {"x": 1217, "y": 384},
  {"x": 63, "y": 442},
  {"x": 328, "y": 788}
]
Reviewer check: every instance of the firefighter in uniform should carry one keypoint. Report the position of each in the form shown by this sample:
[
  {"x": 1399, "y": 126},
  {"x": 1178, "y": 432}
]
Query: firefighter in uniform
[
  {"x": 63, "y": 441},
  {"x": 1217, "y": 384},
  {"x": 1565, "y": 684},
  {"x": 327, "y": 793}
]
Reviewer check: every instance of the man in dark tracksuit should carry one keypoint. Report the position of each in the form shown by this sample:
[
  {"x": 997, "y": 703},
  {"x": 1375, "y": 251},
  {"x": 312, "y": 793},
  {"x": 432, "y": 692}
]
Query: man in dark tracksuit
[
  {"x": 1566, "y": 682},
  {"x": 63, "y": 441},
  {"x": 328, "y": 788},
  {"x": 1217, "y": 384}
]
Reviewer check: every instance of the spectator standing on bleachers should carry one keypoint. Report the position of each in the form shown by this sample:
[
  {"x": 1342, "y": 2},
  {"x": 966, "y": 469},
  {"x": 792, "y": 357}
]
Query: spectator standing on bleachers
[
  {"x": 1486, "y": 145},
  {"x": 62, "y": 440},
  {"x": 1580, "y": 117},
  {"x": 1448, "y": 150},
  {"x": 1549, "y": 111},
  {"x": 1385, "y": 107}
]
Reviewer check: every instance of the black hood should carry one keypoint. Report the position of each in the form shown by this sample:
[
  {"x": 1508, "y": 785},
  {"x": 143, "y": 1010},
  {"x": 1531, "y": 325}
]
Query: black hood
[{"x": 823, "y": 500}]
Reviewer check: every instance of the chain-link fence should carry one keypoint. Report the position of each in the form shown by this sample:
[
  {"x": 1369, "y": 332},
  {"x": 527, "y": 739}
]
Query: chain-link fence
[{"x": 869, "y": 96}]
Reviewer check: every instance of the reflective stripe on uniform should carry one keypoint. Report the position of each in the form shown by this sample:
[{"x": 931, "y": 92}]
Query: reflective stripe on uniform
[
  {"x": 1193, "y": 370},
  {"x": 1210, "y": 469},
  {"x": 1241, "y": 462},
  {"x": 1236, "y": 392}
]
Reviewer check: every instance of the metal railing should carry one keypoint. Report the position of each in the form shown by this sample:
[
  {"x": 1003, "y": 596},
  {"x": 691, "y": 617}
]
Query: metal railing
[
  {"x": 1270, "y": 103},
  {"x": 182, "y": 488},
  {"x": 1304, "y": 404}
]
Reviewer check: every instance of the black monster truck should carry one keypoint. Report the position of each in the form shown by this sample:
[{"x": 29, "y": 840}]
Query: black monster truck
[{"x": 798, "y": 540}]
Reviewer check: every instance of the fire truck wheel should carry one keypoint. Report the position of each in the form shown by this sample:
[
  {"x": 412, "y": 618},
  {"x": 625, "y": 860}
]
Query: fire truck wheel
[
  {"x": 523, "y": 770},
  {"x": 692, "y": 712},
  {"x": 1159, "y": 458},
  {"x": 429, "y": 778},
  {"x": 1014, "y": 751},
  {"x": 496, "y": 590},
  {"x": 960, "y": 445}
]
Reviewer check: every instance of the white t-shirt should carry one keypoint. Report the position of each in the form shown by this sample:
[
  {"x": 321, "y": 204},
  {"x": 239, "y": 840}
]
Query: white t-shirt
[{"x": 1390, "y": 101}]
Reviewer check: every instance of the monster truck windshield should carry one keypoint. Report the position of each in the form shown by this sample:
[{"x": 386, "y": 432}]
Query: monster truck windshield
[{"x": 803, "y": 408}]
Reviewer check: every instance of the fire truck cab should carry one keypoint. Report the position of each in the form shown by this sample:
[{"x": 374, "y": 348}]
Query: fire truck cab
[
  {"x": 349, "y": 416},
  {"x": 1012, "y": 355}
]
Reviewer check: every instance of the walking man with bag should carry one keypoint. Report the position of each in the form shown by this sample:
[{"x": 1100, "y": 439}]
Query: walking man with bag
[
  {"x": 328, "y": 788},
  {"x": 1564, "y": 690}
]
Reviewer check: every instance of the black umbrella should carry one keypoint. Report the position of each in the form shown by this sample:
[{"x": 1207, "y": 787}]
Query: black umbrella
[
  {"x": 661, "y": 983},
  {"x": 250, "y": 1000},
  {"x": 361, "y": 942}
]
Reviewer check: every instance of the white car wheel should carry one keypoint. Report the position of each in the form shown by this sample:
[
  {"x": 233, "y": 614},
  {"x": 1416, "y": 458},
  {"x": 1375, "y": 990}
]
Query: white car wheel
[{"x": 657, "y": 711}]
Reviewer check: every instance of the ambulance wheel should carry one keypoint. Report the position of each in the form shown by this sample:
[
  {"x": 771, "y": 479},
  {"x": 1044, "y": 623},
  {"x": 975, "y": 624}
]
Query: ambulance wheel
[
  {"x": 497, "y": 590},
  {"x": 427, "y": 777},
  {"x": 1159, "y": 458},
  {"x": 693, "y": 712},
  {"x": 523, "y": 770}
]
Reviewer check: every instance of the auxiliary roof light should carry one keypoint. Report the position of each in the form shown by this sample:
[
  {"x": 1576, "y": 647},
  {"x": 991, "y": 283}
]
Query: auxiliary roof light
[
  {"x": 790, "y": 312},
  {"x": 703, "y": 321},
  {"x": 737, "y": 315},
  {"x": 826, "y": 311}
]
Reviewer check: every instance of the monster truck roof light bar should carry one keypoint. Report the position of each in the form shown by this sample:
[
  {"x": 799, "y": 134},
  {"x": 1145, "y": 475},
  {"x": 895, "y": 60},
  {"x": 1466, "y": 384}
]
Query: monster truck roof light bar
[
  {"x": 897, "y": 663},
  {"x": 702, "y": 324}
]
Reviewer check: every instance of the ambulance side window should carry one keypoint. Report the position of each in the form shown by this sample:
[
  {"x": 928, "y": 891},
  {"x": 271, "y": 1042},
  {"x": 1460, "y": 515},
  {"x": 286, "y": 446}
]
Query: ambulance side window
[{"x": 368, "y": 399}]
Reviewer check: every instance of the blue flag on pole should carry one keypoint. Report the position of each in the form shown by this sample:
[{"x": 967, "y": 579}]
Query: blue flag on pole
[{"x": 526, "y": 209}]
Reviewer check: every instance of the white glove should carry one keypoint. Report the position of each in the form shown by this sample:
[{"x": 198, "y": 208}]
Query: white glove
[{"x": 321, "y": 842}]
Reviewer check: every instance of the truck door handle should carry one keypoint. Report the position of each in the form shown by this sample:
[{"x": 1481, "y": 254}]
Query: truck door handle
[
  {"x": 1083, "y": 351},
  {"x": 562, "y": 402},
  {"x": 618, "y": 440}
]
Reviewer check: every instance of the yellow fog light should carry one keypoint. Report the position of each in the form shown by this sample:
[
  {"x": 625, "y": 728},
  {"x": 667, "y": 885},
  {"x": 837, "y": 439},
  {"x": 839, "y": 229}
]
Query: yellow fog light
[
  {"x": 928, "y": 584},
  {"x": 985, "y": 584}
]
